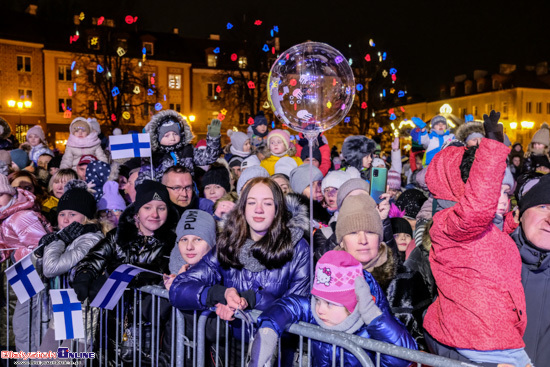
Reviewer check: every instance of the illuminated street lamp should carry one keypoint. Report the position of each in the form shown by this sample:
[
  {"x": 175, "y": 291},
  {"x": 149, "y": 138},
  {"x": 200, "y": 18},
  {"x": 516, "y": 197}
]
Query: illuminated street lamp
[
  {"x": 192, "y": 118},
  {"x": 20, "y": 106}
]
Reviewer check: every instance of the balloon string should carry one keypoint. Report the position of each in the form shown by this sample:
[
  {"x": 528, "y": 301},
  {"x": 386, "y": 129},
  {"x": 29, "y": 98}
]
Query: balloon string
[{"x": 311, "y": 193}]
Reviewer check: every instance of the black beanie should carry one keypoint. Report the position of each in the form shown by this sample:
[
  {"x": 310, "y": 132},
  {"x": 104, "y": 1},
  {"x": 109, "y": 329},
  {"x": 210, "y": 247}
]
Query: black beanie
[
  {"x": 411, "y": 202},
  {"x": 148, "y": 191},
  {"x": 401, "y": 225},
  {"x": 316, "y": 153},
  {"x": 537, "y": 195},
  {"x": 77, "y": 198},
  {"x": 217, "y": 176},
  {"x": 55, "y": 162}
]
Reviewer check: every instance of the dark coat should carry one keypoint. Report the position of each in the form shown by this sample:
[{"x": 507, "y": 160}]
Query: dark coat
[{"x": 384, "y": 328}]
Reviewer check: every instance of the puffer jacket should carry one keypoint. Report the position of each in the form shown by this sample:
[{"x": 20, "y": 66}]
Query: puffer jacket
[
  {"x": 189, "y": 290},
  {"x": 77, "y": 147},
  {"x": 269, "y": 163},
  {"x": 385, "y": 327},
  {"x": 432, "y": 142},
  {"x": 124, "y": 245},
  {"x": 476, "y": 266},
  {"x": 535, "y": 277},
  {"x": 22, "y": 226}
]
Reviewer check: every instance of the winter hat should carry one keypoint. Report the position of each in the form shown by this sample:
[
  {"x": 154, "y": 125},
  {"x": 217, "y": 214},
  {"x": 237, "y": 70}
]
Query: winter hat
[
  {"x": 315, "y": 153},
  {"x": 128, "y": 166},
  {"x": 250, "y": 173},
  {"x": 349, "y": 186},
  {"x": 508, "y": 178},
  {"x": 335, "y": 179},
  {"x": 237, "y": 139},
  {"x": 260, "y": 119},
  {"x": 37, "y": 130},
  {"x": 150, "y": 190},
  {"x": 98, "y": 172},
  {"x": 5, "y": 187},
  {"x": 5, "y": 157},
  {"x": 198, "y": 223},
  {"x": 78, "y": 199},
  {"x": 218, "y": 175},
  {"x": 394, "y": 180},
  {"x": 335, "y": 274},
  {"x": 80, "y": 123},
  {"x": 111, "y": 198},
  {"x": 169, "y": 125},
  {"x": 358, "y": 213},
  {"x": 201, "y": 144},
  {"x": 378, "y": 162},
  {"x": 20, "y": 158},
  {"x": 401, "y": 225},
  {"x": 94, "y": 124},
  {"x": 470, "y": 130},
  {"x": 438, "y": 119},
  {"x": 282, "y": 134},
  {"x": 542, "y": 136},
  {"x": 299, "y": 177},
  {"x": 540, "y": 161},
  {"x": 117, "y": 131},
  {"x": 285, "y": 165},
  {"x": 539, "y": 194},
  {"x": 235, "y": 161},
  {"x": 355, "y": 148},
  {"x": 55, "y": 162},
  {"x": 87, "y": 159},
  {"x": 251, "y": 161},
  {"x": 411, "y": 201}
]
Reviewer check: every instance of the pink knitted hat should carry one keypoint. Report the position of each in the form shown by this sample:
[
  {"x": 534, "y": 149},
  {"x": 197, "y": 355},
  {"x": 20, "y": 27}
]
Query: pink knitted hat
[
  {"x": 282, "y": 134},
  {"x": 335, "y": 275},
  {"x": 5, "y": 187},
  {"x": 394, "y": 180}
]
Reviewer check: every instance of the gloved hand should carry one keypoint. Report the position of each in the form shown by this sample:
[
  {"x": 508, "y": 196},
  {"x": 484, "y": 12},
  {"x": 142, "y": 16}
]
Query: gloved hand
[
  {"x": 304, "y": 142},
  {"x": 71, "y": 232},
  {"x": 367, "y": 307},
  {"x": 214, "y": 128},
  {"x": 395, "y": 144},
  {"x": 81, "y": 285},
  {"x": 263, "y": 347},
  {"x": 45, "y": 241},
  {"x": 493, "y": 130},
  {"x": 418, "y": 122}
]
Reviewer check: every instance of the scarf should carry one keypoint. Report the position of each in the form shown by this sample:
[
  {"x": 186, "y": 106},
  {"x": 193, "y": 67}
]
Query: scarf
[{"x": 350, "y": 325}]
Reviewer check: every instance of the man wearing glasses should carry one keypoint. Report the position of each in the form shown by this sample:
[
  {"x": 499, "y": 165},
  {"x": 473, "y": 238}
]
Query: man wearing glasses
[{"x": 179, "y": 182}]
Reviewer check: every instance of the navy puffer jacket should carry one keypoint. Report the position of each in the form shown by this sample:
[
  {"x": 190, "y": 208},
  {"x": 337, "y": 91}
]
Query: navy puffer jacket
[
  {"x": 384, "y": 328},
  {"x": 189, "y": 290}
]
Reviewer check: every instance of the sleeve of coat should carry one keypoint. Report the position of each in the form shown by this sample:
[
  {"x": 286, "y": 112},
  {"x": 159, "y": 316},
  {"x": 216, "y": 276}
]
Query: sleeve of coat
[
  {"x": 325, "y": 159},
  {"x": 299, "y": 283},
  {"x": 59, "y": 259},
  {"x": 396, "y": 163},
  {"x": 475, "y": 211},
  {"x": 96, "y": 260},
  {"x": 29, "y": 231},
  {"x": 188, "y": 287},
  {"x": 285, "y": 312},
  {"x": 204, "y": 157},
  {"x": 510, "y": 224},
  {"x": 100, "y": 154}
]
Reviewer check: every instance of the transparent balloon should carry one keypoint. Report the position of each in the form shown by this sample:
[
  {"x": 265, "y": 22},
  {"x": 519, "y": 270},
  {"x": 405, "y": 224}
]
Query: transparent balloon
[{"x": 311, "y": 87}]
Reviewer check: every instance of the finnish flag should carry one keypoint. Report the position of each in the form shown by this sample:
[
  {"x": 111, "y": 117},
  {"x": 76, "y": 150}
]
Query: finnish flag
[
  {"x": 24, "y": 279},
  {"x": 114, "y": 287},
  {"x": 67, "y": 314},
  {"x": 130, "y": 145}
]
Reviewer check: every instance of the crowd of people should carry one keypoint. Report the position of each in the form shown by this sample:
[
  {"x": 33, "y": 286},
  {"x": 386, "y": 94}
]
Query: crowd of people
[{"x": 451, "y": 261}]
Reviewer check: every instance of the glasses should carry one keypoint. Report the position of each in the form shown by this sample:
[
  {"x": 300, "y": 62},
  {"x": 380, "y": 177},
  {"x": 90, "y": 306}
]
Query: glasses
[
  {"x": 179, "y": 189},
  {"x": 110, "y": 213},
  {"x": 331, "y": 191}
]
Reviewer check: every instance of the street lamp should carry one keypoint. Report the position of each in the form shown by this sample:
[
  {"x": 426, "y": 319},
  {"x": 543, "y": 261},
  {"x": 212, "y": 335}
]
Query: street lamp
[{"x": 21, "y": 104}]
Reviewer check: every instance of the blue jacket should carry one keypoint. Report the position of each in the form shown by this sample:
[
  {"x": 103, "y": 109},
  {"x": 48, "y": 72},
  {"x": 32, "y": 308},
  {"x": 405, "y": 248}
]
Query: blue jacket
[
  {"x": 432, "y": 142},
  {"x": 384, "y": 328}
]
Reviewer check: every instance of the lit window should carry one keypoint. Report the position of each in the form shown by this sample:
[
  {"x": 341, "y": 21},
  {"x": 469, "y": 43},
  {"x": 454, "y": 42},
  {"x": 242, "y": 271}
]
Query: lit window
[
  {"x": 24, "y": 64},
  {"x": 149, "y": 48},
  {"x": 243, "y": 62},
  {"x": 212, "y": 60},
  {"x": 174, "y": 81}
]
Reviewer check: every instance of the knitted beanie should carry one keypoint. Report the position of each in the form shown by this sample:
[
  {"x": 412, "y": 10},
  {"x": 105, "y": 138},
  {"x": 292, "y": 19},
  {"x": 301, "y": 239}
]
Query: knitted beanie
[
  {"x": 167, "y": 126},
  {"x": 438, "y": 119},
  {"x": 542, "y": 136},
  {"x": 358, "y": 213},
  {"x": 198, "y": 223},
  {"x": 37, "y": 130},
  {"x": 335, "y": 275},
  {"x": 5, "y": 187},
  {"x": 148, "y": 191},
  {"x": 5, "y": 157},
  {"x": 539, "y": 194},
  {"x": 285, "y": 165},
  {"x": 315, "y": 153},
  {"x": 20, "y": 158},
  {"x": 237, "y": 139},
  {"x": 401, "y": 225},
  {"x": 411, "y": 202},
  {"x": 250, "y": 173},
  {"x": 217, "y": 176},
  {"x": 394, "y": 180},
  {"x": 251, "y": 161},
  {"x": 55, "y": 162},
  {"x": 80, "y": 123},
  {"x": 282, "y": 134},
  {"x": 299, "y": 177},
  {"x": 335, "y": 179},
  {"x": 78, "y": 199},
  {"x": 260, "y": 119},
  {"x": 349, "y": 186},
  {"x": 508, "y": 178},
  {"x": 111, "y": 198}
]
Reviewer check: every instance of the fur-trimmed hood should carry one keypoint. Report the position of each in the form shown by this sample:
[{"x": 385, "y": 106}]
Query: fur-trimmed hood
[
  {"x": 469, "y": 128},
  {"x": 162, "y": 117},
  {"x": 355, "y": 148},
  {"x": 5, "y": 129}
]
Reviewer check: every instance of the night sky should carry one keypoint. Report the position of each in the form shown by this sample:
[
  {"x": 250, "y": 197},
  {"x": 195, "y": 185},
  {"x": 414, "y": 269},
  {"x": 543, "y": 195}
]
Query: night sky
[{"x": 429, "y": 41}]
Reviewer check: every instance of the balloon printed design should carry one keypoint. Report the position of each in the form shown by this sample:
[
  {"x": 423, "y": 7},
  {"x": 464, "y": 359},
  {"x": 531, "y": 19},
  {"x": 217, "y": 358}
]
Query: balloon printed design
[{"x": 311, "y": 88}]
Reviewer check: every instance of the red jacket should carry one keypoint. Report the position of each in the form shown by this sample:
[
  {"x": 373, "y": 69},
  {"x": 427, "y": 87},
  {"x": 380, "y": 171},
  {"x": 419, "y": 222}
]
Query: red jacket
[
  {"x": 325, "y": 156},
  {"x": 477, "y": 267},
  {"x": 21, "y": 226}
]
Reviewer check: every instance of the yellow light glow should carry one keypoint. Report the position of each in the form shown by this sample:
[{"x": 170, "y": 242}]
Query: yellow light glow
[
  {"x": 450, "y": 123},
  {"x": 407, "y": 147},
  {"x": 527, "y": 124},
  {"x": 28, "y": 104},
  {"x": 396, "y": 133},
  {"x": 19, "y": 104},
  {"x": 192, "y": 118},
  {"x": 513, "y": 125},
  {"x": 392, "y": 126},
  {"x": 446, "y": 108},
  {"x": 11, "y": 103}
]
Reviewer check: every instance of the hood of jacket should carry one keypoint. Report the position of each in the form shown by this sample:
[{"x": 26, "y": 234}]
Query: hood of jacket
[
  {"x": 25, "y": 201},
  {"x": 185, "y": 132},
  {"x": 443, "y": 176}
]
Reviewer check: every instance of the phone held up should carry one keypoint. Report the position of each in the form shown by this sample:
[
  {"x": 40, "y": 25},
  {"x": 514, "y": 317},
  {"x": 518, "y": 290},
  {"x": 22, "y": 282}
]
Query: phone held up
[{"x": 378, "y": 178}]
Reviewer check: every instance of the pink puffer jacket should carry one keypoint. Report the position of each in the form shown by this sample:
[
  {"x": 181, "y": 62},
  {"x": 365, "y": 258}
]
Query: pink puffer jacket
[{"x": 22, "y": 226}]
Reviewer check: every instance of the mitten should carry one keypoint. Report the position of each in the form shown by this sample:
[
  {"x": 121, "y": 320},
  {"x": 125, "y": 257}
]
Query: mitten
[
  {"x": 71, "y": 232},
  {"x": 263, "y": 347},
  {"x": 367, "y": 307},
  {"x": 45, "y": 241},
  {"x": 493, "y": 130},
  {"x": 81, "y": 285},
  {"x": 418, "y": 122},
  {"x": 214, "y": 128}
]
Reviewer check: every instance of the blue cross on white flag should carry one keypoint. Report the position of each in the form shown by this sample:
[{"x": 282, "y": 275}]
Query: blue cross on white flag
[
  {"x": 114, "y": 287},
  {"x": 130, "y": 145},
  {"x": 24, "y": 279},
  {"x": 67, "y": 314}
]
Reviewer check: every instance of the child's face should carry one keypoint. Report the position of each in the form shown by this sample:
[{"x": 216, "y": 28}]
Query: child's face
[
  {"x": 192, "y": 248},
  {"x": 80, "y": 133},
  {"x": 276, "y": 145},
  {"x": 33, "y": 140},
  {"x": 538, "y": 146},
  {"x": 402, "y": 240},
  {"x": 418, "y": 160},
  {"x": 439, "y": 127},
  {"x": 246, "y": 146},
  {"x": 502, "y": 207},
  {"x": 261, "y": 129},
  {"x": 330, "y": 313},
  {"x": 330, "y": 195},
  {"x": 170, "y": 138},
  {"x": 517, "y": 148},
  {"x": 516, "y": 161}
]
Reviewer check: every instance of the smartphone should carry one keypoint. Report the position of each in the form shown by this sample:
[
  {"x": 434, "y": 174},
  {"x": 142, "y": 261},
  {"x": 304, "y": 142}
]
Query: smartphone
[{"x": 378, "y": 178}]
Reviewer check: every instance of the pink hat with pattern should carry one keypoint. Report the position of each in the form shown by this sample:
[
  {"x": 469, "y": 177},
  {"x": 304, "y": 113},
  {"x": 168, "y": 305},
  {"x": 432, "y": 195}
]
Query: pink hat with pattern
[
  {"x": 282, "y": 134},
  {"x": 335, "y": 275}
]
